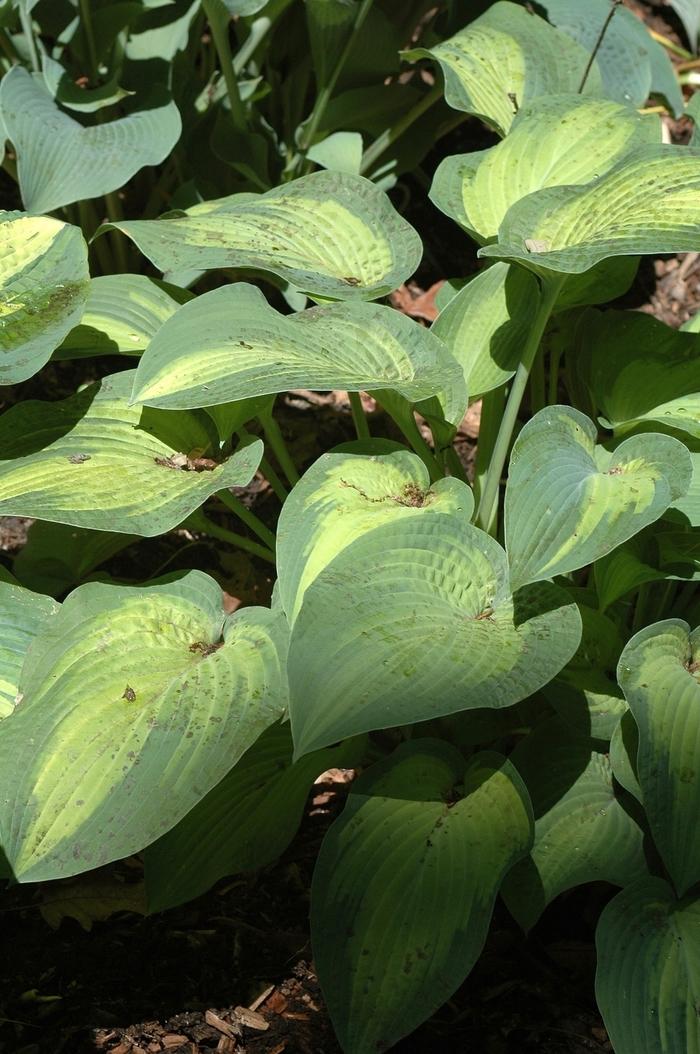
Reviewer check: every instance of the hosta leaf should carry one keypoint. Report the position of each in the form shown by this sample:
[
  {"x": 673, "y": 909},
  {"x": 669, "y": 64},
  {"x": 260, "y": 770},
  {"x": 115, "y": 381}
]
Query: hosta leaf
[
  {"x": 505, "y": 59},
  {"x": 415, "y": 620},
  {"x": 569, "y": 502},
  {"x": 94, "y": 461},
  {"x": 659, "y": 672},
  {"x": 244, "y": 823},
  {"x": 405, "y": 884},
  {"x": 136, "y": 702},
  {"x": 686, "y": 509},
  {"x": 679, "y": 553},
  {"x": 638, "y": 369},
  {"x": 330, "y": 234},
  {"x": 624, "y": 745},
  {"x": 90, "y": 898},
  {"x": 329, "y": 23},
  {"x": 689, "y": 13},
  {"x": 485, "y": 325},
  {"x": 582, "y": 832},
  {"x": 44, "y": 282},
  {"x": 55, "y": 557},
  {"x": 586, "y": 694},
  {"x": 59, "y": 161},
  {"x": 623, "y": 570},
  {"x": 123, "y": 313},
  {"x": 66, "y": 92},
  {"x": 343, "y": 496},
  {"x": 22, "y": 617},
  {"x": 624, "y": 55},
  {"x": 230, "y": 344},
  {"x": 564, "y": 140},
  {"x": 648, "y": 978},
  {"x": 647, "y": 204}
]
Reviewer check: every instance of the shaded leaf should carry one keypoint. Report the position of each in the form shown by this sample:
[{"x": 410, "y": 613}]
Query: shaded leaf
[{"x": 22, "y": 617}]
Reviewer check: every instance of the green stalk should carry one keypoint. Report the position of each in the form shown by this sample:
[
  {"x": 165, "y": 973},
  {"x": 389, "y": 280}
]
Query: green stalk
[
  {"x": 358, "y": 416},
  {"x": 554, "y": 364},
  {"x": 275, "y": 440},
  {"x": 407, "y": 424},
  {"x": 247, "y": 517},
  {"x": 114, "y": 211},
  {"x": 537, "y": 389},
  {"x": 384, "y": 141},
  {"x": 199, "y": 521},
  {"x": 28, "y": 30},
  {"x": 86, "y": 22},
  {"x": 642, "y": 606},
  {"x": 219, "y": 32},
  {"x": 8, "y": 47},
  {"x": 489, "y": 498},
  {"x": 274, "y": 480},
  {"x": 89, "y": 224},
  {"x": 258, "y": 31},
  {"x": 492, "y": 409},
  {"x": 324, "y": 96}
]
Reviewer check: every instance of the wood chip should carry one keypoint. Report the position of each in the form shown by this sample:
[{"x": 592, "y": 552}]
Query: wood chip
[
  {"x": 226, "y": 1045},
  {"x": 263, "y": 995},
  {"x": 123, "y": 1048},
  {"x": 279, "y": 1048},
  {"x": 173, "y": 1039},
  {"x": 219, "y": 1024},
  {"x": 251, "y": 1019},
  {"x": 277, "y": 1003}
]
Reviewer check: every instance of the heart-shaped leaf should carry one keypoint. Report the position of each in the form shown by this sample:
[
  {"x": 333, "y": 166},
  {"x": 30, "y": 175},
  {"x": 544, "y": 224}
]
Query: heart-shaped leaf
[
  {"x": 243, "y": 824},
  {"x": 485, "y": 325},
  {"x": 22, "y": 617},
  {"x": 648, "y": 978},
  {"x": 569, "y": 502},
  {"x": 330, "y": 234},
  {"x": 55, "y": 557},
  {"x": 136, "y": 702},
  {"x": 632, "y": 64},
  {"x": 415, "y": 620},
  {"x": 505, "y": 59},
  {"x": 647, "y": 204},
  {"x": 637, "y": 369},
  {"x": 556, "y": 141},
  {"x": 405, "y": 884},
  {"x": 59, "y": 161},
  {"x": 341, "y": 497},
  {"x": 582, "y": 832},
  {"x": 44, "y": 283},
  {"x": 122, "y": 314},
  {"x": 230, "y": 344},
  {"x": 659, "y": 672},
  {"x": 95, "y": 461}
]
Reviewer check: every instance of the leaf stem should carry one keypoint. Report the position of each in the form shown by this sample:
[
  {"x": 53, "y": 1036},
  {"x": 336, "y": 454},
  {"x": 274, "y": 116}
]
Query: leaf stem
[
  {"x": 247, "y": 517},
  {"x": 8, "y": 47},
  {"x": 324, "y": 96},
  {"x": 553, "y": 379},
  {"x": 492, "y": 408},
  {"x": 384, "y": 141},
  {"x": 27, "y": 28},
  {"x": 358, "y": 416},
  {"x": 218, "y": 20},
  {"x": 202, "y": 522},
  {"x": 115, "y": 212},
  {"x": 489, "y": 498},
  {"x": 596, "y": 47},
  {"x": 275, "y": 440},
  {"x": 86, "y": 21}
]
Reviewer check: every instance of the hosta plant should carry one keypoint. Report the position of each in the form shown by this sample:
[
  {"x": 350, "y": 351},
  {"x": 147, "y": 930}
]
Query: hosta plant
[{"x": 509, "y": 660}]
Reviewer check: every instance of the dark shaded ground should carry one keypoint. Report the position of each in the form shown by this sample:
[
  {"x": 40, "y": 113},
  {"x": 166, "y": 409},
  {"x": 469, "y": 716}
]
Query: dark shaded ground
[{"x": 181, "y": 981}]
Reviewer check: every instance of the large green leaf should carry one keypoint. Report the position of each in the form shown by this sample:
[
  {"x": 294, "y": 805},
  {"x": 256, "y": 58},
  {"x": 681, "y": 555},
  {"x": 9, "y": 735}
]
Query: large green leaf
[
  {"x": 648, "y": 978},
  {"x": 485, "y": 325},
  {"x": 624, "y": 569},
  {"x": 505, "y": 59},
  {"x": 632, "y": 64},
  {"x": 647, "y": 204},
  {"x": 568, "y": 139},
  {"x": 66, "y": 92},
  {"x": 59, "y": 161},
  {"x": 569, "y": 502},
  {"x": 244, "y": 823},
  {"x": 22, "y": 617},
  {"x": 637, "y": 369},
  {"x": 330, "y": 234},
  {"x": 95, "y": 461},
  {"x": 405, "y": 884},
  {"x": 136, "y": 702},
  {"x": 44, "y": 282},
  {"x": 582, "y": 832},
  {"x": 123, "y": 313},
  {"x": 686, "y": 509},
  {"x": 343, "y": 496},
  {"x": 230, "y": 344},
  {"x": 415, "y": 620},
  {"x": 689, "y": 13},
  {"x": 659, "y": 672}
]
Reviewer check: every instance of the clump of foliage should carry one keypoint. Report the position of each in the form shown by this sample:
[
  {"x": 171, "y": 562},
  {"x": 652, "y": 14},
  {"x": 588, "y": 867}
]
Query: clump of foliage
[{"x": 513, "y": 667}]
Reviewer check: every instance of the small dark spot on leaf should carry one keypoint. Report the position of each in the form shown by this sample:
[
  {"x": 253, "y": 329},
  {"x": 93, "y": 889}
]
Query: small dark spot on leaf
[
  {"x": 129, "y": 694},
  {"x": 78, "y": 459}
]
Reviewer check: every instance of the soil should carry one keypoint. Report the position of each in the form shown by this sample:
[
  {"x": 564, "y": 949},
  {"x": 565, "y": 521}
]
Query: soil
[{"x": 232, "y": 971}]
